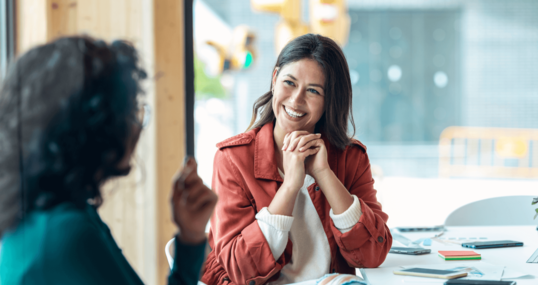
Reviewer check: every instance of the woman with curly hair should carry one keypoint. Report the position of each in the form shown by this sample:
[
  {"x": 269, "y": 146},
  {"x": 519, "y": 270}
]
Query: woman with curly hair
[{"x": 70, "y": 120}]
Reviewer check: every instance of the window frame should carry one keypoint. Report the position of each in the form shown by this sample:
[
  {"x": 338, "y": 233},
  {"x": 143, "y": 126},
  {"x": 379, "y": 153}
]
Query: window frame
[{"x": 7, "y": 34}]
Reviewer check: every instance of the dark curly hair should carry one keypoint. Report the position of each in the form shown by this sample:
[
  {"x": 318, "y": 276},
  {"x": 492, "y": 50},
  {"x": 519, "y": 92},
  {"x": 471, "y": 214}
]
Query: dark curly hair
[{"x": 66, "y": 113}]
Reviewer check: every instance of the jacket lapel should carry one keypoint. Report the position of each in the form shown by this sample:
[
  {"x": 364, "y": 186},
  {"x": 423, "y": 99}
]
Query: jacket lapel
[{"x": 265, "y": 166}]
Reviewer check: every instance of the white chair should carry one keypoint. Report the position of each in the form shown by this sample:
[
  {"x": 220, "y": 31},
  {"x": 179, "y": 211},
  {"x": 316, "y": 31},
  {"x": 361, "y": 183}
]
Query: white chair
[
  {"x": 169, "y": 251},
  {"x": 498, "y": 211}
]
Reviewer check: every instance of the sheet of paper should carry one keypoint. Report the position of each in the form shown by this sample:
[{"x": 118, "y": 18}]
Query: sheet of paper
[
  {"x": 510, "y": 273},
  {"x": 314, "y": 281},
  {"x": 475, "y": 270},
  {"x": 310, "y": 282}
]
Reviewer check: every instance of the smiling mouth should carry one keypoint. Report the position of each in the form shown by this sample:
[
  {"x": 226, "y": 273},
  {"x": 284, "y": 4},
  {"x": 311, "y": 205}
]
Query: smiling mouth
[{"x": 293, "y": 113}]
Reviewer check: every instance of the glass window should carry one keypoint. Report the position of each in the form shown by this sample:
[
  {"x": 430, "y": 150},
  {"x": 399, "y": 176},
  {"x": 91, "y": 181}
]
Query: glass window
[
  {"x": 444, "y": 96},
  {"x": 6, "y": 35}
]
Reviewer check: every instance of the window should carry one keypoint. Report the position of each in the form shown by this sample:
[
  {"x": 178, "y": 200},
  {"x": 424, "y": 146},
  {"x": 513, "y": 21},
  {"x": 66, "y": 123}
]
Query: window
[
  {"x": 6, "y": 34},
  {"x": 417, "y": 68}
]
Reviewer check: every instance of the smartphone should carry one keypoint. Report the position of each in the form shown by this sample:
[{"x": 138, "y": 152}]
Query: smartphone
[
  {"x": 479, "y": 282},
  {"x": 410, "y": 250},
  {"x": 432, "y": 273},
  {"x": 492, "y": 244}
]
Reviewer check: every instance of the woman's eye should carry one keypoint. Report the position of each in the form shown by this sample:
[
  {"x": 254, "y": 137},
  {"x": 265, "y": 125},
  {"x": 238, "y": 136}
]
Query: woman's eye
[
  {"x": 313, "y": 91},
  {"x": 289, "y": 83}
]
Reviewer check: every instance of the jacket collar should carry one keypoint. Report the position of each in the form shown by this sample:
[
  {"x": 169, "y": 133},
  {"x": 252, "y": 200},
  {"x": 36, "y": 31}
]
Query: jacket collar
[{"x": 265, "y": 166}]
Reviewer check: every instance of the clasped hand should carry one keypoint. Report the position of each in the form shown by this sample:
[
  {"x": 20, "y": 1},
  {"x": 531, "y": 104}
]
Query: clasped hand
[{"x": 303, "y": 153}]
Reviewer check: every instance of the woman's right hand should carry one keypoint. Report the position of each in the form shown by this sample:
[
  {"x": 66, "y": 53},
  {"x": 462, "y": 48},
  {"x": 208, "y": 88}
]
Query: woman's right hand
[
  {"x": 294, "y": 160},
  {"x": 192, "y": 203}
]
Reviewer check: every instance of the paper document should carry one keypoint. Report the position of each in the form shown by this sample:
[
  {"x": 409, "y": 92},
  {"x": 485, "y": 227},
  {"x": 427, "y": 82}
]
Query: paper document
[
  {"x": 510, "y": 273},
  {"x": 475, "y": 271}
]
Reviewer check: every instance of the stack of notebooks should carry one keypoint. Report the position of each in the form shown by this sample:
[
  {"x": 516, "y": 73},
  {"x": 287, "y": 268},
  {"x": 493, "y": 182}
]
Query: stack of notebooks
[{"x": 459, "y": 255}]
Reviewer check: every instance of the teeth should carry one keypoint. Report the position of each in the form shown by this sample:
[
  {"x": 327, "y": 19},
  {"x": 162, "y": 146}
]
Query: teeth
[{"x": 293, "y": 114}]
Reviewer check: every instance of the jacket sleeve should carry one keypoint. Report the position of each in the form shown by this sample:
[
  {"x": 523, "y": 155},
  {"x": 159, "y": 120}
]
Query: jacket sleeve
[
  {"x": 368, "y": 242},
  {"x": 239, "y": 245}
]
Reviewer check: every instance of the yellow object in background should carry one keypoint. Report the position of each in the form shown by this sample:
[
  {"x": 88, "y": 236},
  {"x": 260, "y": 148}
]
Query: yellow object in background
[
  {"x": 488, "y": 152},
  {"x": 327, "y": 17},
  {"x": 511, "y": 147},
  {"x": 330, "y": 18},
  {"x": 291, "y": 25},
  {"x": 239, "y": 53}
]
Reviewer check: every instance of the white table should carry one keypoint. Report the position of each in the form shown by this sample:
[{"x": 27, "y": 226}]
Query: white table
[{"x": 512, "y": 257}]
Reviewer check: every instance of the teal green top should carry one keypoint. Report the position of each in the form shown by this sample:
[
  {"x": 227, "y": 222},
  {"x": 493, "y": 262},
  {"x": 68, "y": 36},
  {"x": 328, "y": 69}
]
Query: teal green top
[{"x": 69, "y": 245}]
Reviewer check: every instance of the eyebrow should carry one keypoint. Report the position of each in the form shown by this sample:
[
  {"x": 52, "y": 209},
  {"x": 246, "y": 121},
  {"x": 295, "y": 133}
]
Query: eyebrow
[{"x": 312, "y": 84}]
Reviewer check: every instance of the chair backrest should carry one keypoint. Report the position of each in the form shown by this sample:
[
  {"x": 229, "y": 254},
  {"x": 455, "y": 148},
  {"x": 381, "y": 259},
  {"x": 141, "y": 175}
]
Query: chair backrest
[
  {"x": 497, "y": 211},
  {"x": 169, "y": 251},
  {"x": 488, "y": 152}
]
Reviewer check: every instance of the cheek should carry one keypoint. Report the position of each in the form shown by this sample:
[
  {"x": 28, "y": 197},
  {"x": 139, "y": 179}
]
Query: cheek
[
  {"x": 275, "y": 104},
  {"x": 318, "y": 108}
]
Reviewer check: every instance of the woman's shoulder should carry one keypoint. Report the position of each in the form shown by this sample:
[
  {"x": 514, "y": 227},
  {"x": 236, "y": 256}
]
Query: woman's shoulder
[
  {"x": 237, "y": 140},
  {"x": 239, "y": 147},
  {"x": 355, "y": 146},
  {"x": 44, "y": 235},
  {"x": 67, "y": 222},
  {"x": 245, "y": 138},
  {"x": 238, "y": 152},
  {"x": 355, "y": 154}
]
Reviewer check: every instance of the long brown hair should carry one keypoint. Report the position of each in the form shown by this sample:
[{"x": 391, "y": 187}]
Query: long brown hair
[{"x": 338, "y": 95}]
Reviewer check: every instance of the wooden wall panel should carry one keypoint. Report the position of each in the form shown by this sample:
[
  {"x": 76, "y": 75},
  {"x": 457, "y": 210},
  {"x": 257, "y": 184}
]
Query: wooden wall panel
[
  {"x": 31, "y": 24},
  {"x": 170, "y": 109}
]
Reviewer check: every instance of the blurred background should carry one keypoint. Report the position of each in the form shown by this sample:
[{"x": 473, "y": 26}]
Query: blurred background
[{"x": 445, "y": 94}]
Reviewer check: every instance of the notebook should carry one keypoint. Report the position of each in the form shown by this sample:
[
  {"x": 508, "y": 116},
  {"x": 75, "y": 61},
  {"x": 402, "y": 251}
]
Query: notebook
[{"x": 459, "y": 255}]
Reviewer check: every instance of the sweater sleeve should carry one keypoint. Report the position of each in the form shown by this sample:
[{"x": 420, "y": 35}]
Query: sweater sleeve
[
  {"x": 275, "y": 229},
  {"x": 188, "y": 264},
  {"x": 344, "y": 222}
]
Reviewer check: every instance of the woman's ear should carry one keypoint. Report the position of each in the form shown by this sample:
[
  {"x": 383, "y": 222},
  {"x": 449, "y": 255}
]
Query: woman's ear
[{"x": 275, "y": 74}]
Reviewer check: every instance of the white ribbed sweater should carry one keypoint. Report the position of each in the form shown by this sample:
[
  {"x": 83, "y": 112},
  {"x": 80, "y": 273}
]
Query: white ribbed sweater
[{"x": 311, "y": 255}]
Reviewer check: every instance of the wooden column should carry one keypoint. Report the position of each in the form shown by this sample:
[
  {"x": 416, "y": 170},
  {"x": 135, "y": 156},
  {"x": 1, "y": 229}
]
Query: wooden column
[{"x": 170, "y": 109}]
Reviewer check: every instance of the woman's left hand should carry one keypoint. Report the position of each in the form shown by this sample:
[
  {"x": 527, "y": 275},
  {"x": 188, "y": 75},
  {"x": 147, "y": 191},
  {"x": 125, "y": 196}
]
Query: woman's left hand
[{"x": 317, "y": 163}]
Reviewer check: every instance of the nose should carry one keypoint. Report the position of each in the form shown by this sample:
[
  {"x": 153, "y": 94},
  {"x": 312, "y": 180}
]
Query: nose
[{"x": 298, "y": 97}]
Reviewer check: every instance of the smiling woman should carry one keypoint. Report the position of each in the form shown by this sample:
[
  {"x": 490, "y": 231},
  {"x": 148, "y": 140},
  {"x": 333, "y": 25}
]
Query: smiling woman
[
  {"x": 329, "y": 77},
  {"x": 297, "y": 199}
]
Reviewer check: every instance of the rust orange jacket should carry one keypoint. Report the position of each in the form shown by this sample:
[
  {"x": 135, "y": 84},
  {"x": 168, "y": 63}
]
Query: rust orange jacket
[{"x": 246, "y": 178}]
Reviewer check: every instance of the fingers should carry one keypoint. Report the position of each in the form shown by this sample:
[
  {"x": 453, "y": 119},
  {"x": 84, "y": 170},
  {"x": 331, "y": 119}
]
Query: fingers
[
  {"x": 299, "y": 141},
  {"x": 311, "y": 151},
  {"x": 185, "y": 177},
  {"x": 191, "y": 162},
  {"x": 198, "y": 198},
  {"x": 307, "y": 142},
  {"x": 292, "y": 136},
  {"x": 286, "y": 141},
  {"x": 195, "y": 191},
  {"x": 205, "y": 199}
]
